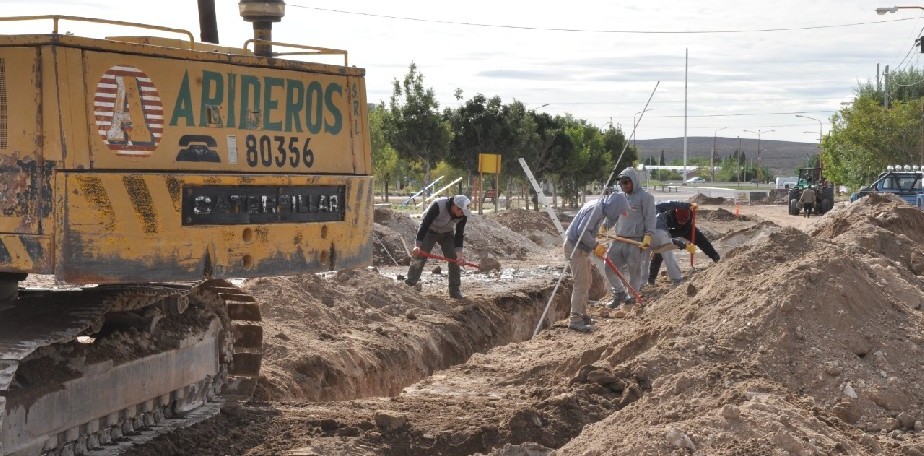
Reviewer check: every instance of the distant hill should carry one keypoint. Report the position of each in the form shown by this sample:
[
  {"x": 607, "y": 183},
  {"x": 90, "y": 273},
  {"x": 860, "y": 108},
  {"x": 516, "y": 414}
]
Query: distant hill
[{"x": 782, "y": 157}]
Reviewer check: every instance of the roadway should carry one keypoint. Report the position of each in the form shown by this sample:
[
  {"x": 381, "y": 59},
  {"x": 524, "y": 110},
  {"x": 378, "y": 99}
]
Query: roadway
[{"x": 685, "y": 192}]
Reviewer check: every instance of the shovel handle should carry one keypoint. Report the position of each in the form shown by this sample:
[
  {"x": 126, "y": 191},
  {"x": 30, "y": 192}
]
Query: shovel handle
[
  {"x": 437, "y": 257},
  {"x": 612, "y": 266},
  {"x": 624, "y": 240}
]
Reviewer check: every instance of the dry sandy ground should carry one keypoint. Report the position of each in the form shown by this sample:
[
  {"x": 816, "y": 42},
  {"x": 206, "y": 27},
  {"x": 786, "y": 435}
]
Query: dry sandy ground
[{"x": 805, "y": 339}]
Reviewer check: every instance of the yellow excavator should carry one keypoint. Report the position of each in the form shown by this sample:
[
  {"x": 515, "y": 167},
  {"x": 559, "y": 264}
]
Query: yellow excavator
[{"x": 145, "y": 172}]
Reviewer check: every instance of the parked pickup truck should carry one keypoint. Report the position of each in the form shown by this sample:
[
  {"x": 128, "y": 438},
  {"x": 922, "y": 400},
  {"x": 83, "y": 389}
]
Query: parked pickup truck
[{"x": 905, "y": 181}]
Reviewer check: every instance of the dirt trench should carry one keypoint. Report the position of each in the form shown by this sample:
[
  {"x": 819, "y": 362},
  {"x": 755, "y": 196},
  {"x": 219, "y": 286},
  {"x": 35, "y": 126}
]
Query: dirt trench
[
  {"x": 803, "y": 340},
  {"x": 371, "y": 336}
]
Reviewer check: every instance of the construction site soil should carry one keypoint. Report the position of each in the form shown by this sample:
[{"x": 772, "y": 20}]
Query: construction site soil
[{"x": 805, "y": 339}]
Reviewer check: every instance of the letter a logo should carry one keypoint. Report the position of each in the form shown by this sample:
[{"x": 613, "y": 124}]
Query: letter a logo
[{"x": 129, "y": 113}]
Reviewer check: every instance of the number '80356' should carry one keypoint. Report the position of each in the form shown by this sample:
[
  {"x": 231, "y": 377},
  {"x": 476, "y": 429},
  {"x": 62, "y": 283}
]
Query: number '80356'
[{"x": 280, "y": 151}]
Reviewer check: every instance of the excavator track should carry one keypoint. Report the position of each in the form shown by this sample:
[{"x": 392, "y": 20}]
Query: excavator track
[{"x": 84, "y": 372}]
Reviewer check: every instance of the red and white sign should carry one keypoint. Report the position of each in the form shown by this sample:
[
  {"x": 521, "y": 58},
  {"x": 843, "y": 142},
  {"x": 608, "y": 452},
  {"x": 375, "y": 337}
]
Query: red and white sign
[{"x": 129, "y": 112}]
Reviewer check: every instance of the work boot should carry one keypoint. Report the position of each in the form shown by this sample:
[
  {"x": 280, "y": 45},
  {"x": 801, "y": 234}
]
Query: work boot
[
  {"x": 455, "y": 293},
  {"x": 579, "y": 326},
  {"x": 617, "y": 300},
  {"x": 677, "y": 282},
  {"x": 630, "y": 300},
  {"x": 415, "y": 285},
  {"x": 651, "y": 280},
  {"x": 587, "y": 320}
]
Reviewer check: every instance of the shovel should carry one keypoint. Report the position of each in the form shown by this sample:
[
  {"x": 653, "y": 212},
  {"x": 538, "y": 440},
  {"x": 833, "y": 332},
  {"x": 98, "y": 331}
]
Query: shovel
[
  {"x": 638, "y": 297},
  {"x": 437, "y": 257},
  {"x": 658, "y": 249}
]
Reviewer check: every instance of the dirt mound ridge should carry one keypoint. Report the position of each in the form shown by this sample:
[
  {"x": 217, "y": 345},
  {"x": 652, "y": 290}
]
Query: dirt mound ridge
[
  {"x": 720, "y": 215},
  {"x": 535, "y": 225},
  {"x": 793, "y": 343},
  {"x": 881, "y": 223},
  {"x": 484, "y": 238},
  {"x": 699, "y": 198}
]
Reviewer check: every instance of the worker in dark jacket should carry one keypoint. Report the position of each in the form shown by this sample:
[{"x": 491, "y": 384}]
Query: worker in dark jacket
[
  {"x": 677, "y": 216},
  {"x": 443, "y": 222}
]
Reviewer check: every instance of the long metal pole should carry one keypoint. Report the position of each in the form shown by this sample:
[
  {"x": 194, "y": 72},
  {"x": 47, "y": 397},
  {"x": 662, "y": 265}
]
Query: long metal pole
[
  {"x": 739, "y": 162},
  {"x": 758, "y": 158},
  {"x": 712, "y": 159},
  {"x": 686, "y": 66}
]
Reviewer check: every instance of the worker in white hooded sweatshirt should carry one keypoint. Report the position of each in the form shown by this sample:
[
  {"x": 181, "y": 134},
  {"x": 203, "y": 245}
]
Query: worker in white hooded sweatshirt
[{"x": 637, "y": 224}]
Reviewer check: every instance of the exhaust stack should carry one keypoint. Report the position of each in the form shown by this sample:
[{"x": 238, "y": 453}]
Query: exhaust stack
[{"x": 262, "y": 13}]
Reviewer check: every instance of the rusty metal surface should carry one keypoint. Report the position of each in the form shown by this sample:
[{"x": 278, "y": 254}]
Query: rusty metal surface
[
  {"x": 224, "y": 357},
  {"x": 37, "y": 321},
  {"x": 112, "y": 232}
]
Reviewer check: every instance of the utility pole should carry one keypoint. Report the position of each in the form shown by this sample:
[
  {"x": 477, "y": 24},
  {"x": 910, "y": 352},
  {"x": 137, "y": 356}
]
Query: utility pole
[
  {"x": 712, "y": 162},
  {"x": 885, "y": 87},
  {"x": 686, "y": 67},
  {"x": 738, "y": 159},
  {"x": 758, "y": 132}
]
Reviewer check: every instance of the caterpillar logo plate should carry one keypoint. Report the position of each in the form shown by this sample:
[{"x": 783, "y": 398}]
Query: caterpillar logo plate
[{"x": 242, "y": 205}]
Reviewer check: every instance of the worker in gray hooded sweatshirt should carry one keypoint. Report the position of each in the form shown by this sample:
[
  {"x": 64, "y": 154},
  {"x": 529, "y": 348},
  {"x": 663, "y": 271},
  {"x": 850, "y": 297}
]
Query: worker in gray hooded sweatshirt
[
  {"x": 580, "y": 242},
  {"x": 639, "y": 225}
]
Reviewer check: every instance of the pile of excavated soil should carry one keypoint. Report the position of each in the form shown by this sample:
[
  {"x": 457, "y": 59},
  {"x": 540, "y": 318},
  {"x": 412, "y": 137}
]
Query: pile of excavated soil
[
  {"x": 791, "y": 345},
  {"x": 535, "y": 225},
  {"x": 796, "y": 343},
  {"x": 699, "y": 198},
  {"x": 484, "y": 238},
  {"x": 719, "y": 215}
]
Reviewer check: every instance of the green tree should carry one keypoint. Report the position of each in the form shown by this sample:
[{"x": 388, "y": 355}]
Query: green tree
[
  {"x": 552, "y": 151},
  {"x": 867, "y": 136},
  {"x": 617, "y": 145},
  {"x": 384, "y": 157},
  {"x": 413, "y": 124},
  {"x": 478, "y": 128},
  {"x": 590, "y": 160}
]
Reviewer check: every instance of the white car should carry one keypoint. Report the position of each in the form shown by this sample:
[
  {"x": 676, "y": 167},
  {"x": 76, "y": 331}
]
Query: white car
[{"x": 696, "y": 180}]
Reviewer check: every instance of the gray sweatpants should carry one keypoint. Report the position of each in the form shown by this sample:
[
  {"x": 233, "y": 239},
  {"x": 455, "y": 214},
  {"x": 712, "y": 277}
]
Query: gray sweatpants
[
  {"x": 580, "y": 270},
  {"x": 660, "y": 238},
  {"x": 630, "y": 261}
]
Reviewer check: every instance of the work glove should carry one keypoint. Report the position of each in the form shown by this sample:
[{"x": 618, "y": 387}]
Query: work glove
[
  {"x": 691, "y": 247},
  {"x": 646, "y": 242},
  {"x": 460, "y": 257},
  {"x": 602, "y": 231},
  {"x": 600, "y": 251},
  {"x": 416, "y": 252},
  {"x": 694, "y": 207}
]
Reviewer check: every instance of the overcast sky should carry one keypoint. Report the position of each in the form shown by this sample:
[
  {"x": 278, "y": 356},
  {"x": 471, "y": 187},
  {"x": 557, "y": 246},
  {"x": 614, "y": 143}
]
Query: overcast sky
[{"x": 752, "y": 65}]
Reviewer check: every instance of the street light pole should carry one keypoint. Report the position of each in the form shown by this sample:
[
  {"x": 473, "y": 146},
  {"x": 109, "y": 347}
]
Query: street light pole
[
  {"x": 894, "y": 9},
  {"x": 738, "y": 159},
  {"x": 819, "y": 129},
  {"x": 635, "y": 124},
  {"x": 712, "y": 162},
  {"x": 758, "y": 132}
]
